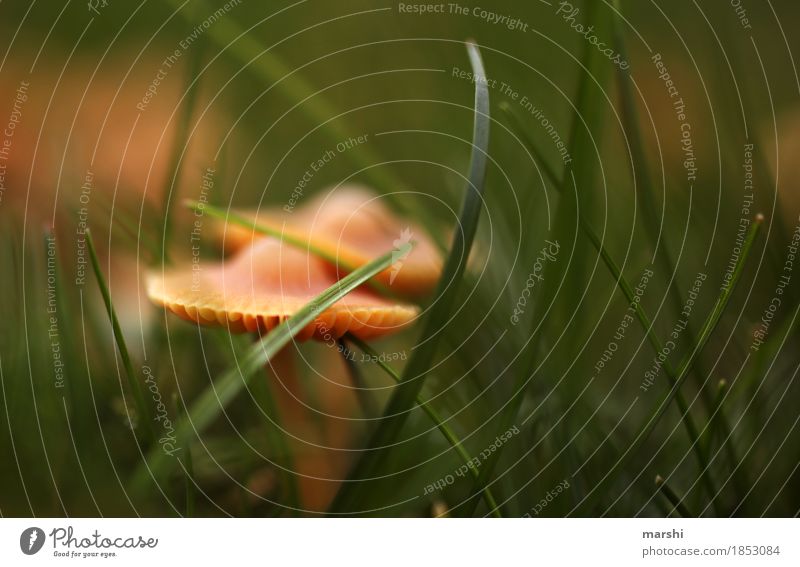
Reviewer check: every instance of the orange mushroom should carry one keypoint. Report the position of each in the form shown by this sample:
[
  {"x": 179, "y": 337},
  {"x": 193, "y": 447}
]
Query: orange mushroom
[
  {"x": 264, "y": 284},
  {"x": 354, "y": 226},
  {"x": 266, "y": 280}
]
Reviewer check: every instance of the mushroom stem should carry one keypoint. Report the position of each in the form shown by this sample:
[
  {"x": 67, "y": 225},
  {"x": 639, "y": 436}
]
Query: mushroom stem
[
  {"x": 283, "y": 368},
  {"x": 276, "y": 400},
  {"x": 313, "y": 460}
]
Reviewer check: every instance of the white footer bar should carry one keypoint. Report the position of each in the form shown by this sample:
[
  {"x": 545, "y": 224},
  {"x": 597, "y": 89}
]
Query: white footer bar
[{"x": 370, "y": 542}]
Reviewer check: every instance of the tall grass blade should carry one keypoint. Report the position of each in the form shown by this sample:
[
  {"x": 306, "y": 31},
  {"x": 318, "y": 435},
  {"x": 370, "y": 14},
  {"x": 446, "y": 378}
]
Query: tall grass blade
[
  {"x": 405, "y": 395},
  {"x": 133, "y": 384},
  {"x": 678, "y": 504},
  {"x": 587, "y": 123},
  {"x": 645, "y": 190}
]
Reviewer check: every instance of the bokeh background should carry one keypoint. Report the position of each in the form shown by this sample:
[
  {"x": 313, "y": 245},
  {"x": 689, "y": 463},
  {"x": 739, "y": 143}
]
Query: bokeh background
[{"x": 263, "y": 89}]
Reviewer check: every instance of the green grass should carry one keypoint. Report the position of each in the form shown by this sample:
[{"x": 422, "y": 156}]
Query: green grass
[
  {"x": 717, "y": 427},
  {"x": 587, "y": 122},
  {"x": 705, "y": 334},
  {"x": 438, "y": 421},
  {"x": 645, "y": 321}
]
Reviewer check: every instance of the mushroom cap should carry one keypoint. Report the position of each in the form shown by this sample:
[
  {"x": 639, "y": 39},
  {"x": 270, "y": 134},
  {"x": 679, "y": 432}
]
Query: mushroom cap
[
  {"x": 354, "y": 226},
  {"x": 264, "y": 284}
]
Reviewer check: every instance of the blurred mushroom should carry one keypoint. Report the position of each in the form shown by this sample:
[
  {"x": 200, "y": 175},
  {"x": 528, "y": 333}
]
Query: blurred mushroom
[
  {"x": 255, "y": 290},
  {"x": 78, "y": 124},
  {"x": 354, "y": 226},
  {"x": 82, "y": 140}
]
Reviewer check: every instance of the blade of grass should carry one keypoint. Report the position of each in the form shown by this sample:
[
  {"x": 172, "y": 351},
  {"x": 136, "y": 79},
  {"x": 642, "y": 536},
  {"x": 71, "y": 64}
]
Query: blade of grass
[
  {"x": 677, "y": 503},
  {"x": 737, "y": 59},
  {"x": 129, "y": 226},
  {"x": 642, "y": 179},
  {"x": 714, "y": 427},
  {"x": 706, "y": 331},
  {"x": 228, "y": 215},
  {"x": 587, "y": 122},
  {"x": 687, "y": 419},
  {"x": 437, "y": 420},
  {"x": 175, "y": 170},
  {"x": 219, "y": 394},
  {"x": 645, "y": 321},
  {"x": 719, "y": 424},
  {"x": 404, "y": 396},
  {"x": 133, "y": 383}
]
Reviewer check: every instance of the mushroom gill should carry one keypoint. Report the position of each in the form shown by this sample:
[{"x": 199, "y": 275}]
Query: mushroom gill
[{"x": 265, "y": 283}]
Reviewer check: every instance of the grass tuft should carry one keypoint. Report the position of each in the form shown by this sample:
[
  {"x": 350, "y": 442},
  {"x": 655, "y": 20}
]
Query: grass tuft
[{"x": 646, "y": 323}]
